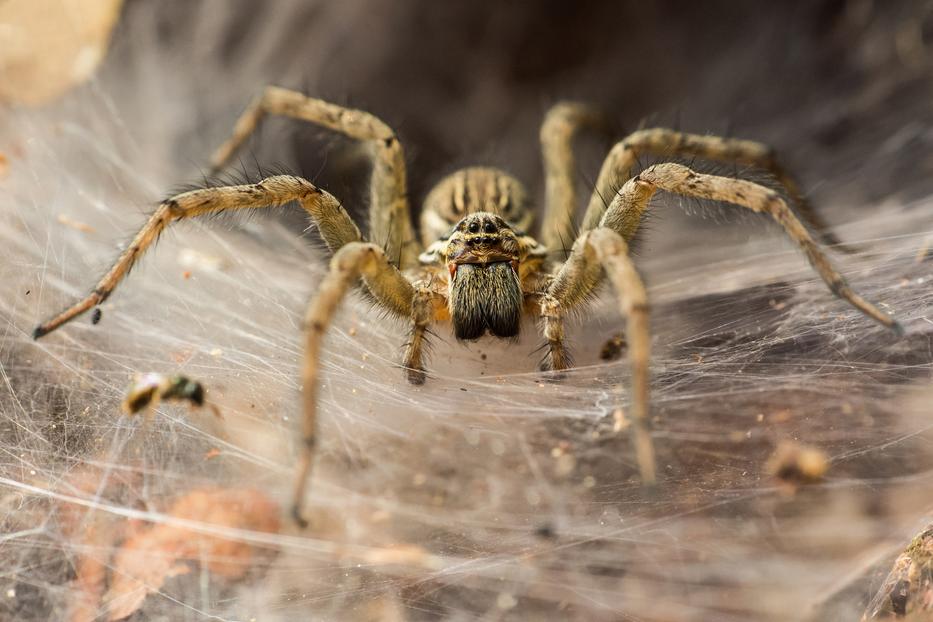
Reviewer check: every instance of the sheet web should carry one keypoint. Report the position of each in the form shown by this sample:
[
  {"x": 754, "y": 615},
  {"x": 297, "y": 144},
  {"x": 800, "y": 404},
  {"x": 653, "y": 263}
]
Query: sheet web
[{"x": 493, "y": 491}]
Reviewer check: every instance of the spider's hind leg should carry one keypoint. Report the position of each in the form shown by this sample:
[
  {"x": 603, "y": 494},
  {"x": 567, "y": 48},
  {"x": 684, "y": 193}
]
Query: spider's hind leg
[{"x": 561, "y": 124}]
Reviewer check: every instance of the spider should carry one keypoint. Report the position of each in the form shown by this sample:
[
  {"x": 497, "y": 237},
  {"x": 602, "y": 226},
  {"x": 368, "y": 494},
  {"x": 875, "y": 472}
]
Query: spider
[{"x": 475, "y": 264}]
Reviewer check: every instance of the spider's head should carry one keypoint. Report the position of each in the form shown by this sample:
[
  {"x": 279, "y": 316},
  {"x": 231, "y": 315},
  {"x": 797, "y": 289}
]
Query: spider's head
[
  {"x": 482, "y": 255},
  {"x": 482, "y": 239}
]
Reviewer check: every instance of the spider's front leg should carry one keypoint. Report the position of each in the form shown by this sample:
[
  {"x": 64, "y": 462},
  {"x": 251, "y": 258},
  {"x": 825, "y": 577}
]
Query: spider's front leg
[
  {"x": 556, "y": 357},
  {"x": 597, "y": 252},
  {"x": 422, "y": 312},
  {"x": 388, "y": 286},
  {"x": 333, "y": 222}
]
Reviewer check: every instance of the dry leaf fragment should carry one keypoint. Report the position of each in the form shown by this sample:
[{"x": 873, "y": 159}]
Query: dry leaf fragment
[
  {"x": 147, "y": 560},
  {"x": 90, "y": 579}
]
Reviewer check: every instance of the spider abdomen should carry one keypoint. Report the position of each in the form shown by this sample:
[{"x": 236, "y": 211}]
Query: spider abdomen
[
  {"x": 471, "y": 190},
  {"x": 485, "y": 297}
]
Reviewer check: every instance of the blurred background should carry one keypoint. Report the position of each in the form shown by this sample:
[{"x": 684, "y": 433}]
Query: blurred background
[
  {"x": 492, "y": 493},
  {"x": 831, "y": 84}
]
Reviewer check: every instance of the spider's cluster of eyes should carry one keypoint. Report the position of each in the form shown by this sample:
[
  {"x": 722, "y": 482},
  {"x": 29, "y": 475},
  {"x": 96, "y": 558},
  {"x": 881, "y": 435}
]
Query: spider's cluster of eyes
[{"x": 489, "y": 227}]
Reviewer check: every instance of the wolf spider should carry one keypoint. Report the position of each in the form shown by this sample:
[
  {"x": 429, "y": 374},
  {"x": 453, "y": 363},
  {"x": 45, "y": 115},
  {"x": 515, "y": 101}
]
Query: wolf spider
[{"x": 475, "y": 264}]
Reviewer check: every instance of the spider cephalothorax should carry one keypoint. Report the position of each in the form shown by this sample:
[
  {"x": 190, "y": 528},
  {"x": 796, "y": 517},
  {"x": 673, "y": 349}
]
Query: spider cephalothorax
[{"x": 475, "y": 265}]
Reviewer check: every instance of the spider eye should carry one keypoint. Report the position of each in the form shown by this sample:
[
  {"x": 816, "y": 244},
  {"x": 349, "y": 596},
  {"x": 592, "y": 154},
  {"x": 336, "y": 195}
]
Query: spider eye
[
  {"x": 489, "y": 228},
  {"x": 474, "y": 227}
]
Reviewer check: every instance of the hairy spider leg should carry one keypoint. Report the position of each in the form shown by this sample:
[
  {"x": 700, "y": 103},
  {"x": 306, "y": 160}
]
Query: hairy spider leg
[
  {"x": 618, "y": 165},
  {"x": 333, "y": 222},
  {"x": 594, "y": 252},
  {"x": 348, "y": 264},
  {"x": 561, "y": 124},
  {"x": 423, "y": 306},
  {"x": 679, "y": 179},
  {"x": 389, "y": 216},
  {"x": 583, "y": 270}
]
